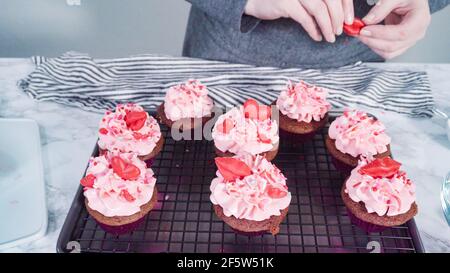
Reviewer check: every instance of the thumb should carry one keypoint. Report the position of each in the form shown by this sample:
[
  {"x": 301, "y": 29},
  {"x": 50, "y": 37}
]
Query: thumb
[{"x": 381, "y": 9}]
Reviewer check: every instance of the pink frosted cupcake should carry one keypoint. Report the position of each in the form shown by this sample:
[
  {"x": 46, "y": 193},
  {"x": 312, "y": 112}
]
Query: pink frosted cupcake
[
  {"x": 355, "y": 134},
  {"x": 247, "y": 129},
  {"x": 378, "y": 195},
  {"x": 130, "y": 129},
  {"x": 119, "y": 190},
  {"x": 250, "y": 194},
  {"x": 187, "y": 105},
  {"x": 303, "y": 109}
]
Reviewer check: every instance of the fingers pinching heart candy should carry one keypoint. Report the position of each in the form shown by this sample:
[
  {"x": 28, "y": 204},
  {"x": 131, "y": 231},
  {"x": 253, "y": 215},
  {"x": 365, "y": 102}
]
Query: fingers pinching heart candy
[{"x": 354, "y": 29}]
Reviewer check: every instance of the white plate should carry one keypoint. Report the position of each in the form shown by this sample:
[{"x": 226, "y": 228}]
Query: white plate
[{"x": 23, "y": 211}]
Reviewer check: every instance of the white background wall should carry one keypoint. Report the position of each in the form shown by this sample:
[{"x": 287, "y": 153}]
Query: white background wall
[{"x": 118, "y": 28}]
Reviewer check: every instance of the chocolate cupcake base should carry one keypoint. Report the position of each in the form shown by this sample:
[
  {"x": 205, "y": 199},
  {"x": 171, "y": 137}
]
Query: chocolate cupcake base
[
  {"x": 148, "y": 159},
  {"x": 372, "y": 222},
  {"x": 122, "y": 224},
  {"x": 252, "y": 228},
  {"x": 185, "y": 124},
  {"x": 269, "y": 155},
  {"x": 345, "y": 163}
]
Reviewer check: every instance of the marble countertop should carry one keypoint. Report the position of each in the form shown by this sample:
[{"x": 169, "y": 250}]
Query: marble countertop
[{"x": 68, "y": 136}]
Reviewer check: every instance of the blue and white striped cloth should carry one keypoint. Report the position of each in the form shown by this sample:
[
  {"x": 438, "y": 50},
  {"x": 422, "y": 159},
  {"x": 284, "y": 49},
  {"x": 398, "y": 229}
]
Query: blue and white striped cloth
[{"x": 76, "y": 79}]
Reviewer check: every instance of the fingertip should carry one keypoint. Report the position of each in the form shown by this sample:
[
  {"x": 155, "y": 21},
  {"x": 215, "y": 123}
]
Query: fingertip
[{"x": 369, "y": 19}]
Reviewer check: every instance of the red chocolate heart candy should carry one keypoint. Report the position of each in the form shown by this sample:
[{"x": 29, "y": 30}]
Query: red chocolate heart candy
[
  {"x": 135, "y": 120},
  {"x": 381, "y": 167},
  {"x": 355, "y": 28},
  {"x": 124, "y": 169},
  {"x": 232, "y": 168},
  {"x": 88, "y": 181}
]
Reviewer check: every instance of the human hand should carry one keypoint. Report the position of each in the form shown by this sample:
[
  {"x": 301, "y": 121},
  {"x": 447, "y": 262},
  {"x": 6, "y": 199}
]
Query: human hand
[
  {"x": 406, "y": 22},
  {"x": 317, "y": 17}
]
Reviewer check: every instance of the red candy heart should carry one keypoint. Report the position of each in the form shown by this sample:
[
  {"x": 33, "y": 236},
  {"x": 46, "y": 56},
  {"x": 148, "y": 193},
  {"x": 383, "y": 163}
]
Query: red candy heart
[
  {"x": 124, "y": 169},
  {"x": 355, "y": 28},
  {"x": 125, "y": 194},
  {"x": 381, "y": 167},
  {"x": 226, "y": 126},
  {"x": 232, "y": 168},
  {"x": 103, "y": 131},
  {"x": 253, "y": 110},
  {"x": 88, "y": 181},
  {"x": 275, "y": 192},
  {"x": 135, "y": 120}
]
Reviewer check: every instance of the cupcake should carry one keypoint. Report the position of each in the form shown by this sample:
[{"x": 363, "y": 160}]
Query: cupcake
[
  {"x": 187, "y": 105},
  {"x": 129, "y": 129},
  {"x": 303, "y": 109},
  {"x": 119, "y": 191},
  {"x": 246, "y": 129},
  {"x": 378, "y": 195},
  {"x": 250, "y": 194},
  {"x": 355, "y": 134}
]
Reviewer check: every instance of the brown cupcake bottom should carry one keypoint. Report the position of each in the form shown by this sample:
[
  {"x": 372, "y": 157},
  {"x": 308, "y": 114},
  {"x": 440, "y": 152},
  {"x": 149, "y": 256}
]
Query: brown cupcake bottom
[
  {"x": 271, "y": 225},
  {"x": 152, "y": 154},
  {"x": 345, "y": 162},
  {"x": 360, "y": 212},
  {"x": 186, "y": 124},
  {"x": 269, "y": 155},
  {"x": 117, "y": 221},
  {"x": 300, "y": 127}
]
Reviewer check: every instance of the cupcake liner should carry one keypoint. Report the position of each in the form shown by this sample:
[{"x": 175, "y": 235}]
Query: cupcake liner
[
  {"x": 366, "y": 226},
  {"x": 297, "y": 137},
  {"x": 123, "y": 229},
  {"x": 251, "y": 234}
]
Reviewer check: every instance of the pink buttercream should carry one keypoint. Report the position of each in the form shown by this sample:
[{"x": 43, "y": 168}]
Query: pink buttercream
[
  {"x": 248, "y": 198},
  {"x": 303, "y": 102},
  {"x": 107, "y": 194},
  {"x": 385, "y": 196},
  {"x": 248, "y": 136},
  {"x": 115, "y": 136},
  {"x": 187, "y": 100},
  {"x": 358, "y": 134}
]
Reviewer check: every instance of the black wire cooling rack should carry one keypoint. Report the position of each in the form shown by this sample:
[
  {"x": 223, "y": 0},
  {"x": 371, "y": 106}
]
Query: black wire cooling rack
[{"x": 183, "y": 219}]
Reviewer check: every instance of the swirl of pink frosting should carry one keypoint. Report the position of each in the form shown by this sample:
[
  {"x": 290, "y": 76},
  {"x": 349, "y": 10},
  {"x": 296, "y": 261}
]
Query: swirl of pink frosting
[
  {"x": 114, "y": 135},
  {"x": 356, "y": 133},
  {"x": 187, "y": 100},
  {"x": 113, "y": 196},
  {"x": 303, "y": 102},
  {"x": 385, "y": 195},
  {"x": 250, "y": 197},
  {"x": 248, "y": 136}
]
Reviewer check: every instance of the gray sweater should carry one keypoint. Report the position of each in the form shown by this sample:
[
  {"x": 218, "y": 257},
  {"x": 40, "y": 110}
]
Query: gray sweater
[{"x": 219, "y": 30}]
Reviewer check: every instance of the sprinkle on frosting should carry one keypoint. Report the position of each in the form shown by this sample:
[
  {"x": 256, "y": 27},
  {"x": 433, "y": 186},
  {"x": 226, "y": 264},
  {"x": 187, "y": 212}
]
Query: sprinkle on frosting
[
  {"x": 187, "y": 100},
  {"x": 128, "y": 129},
  {"x": 389, "y": 193},
  {"x": 356, "y": 133},
  {"x": 235, "y": 133},
  {"x": 118, "y": 184},
  {"x": 303, "y": 102},
  {"x": 255, "y": 196}
]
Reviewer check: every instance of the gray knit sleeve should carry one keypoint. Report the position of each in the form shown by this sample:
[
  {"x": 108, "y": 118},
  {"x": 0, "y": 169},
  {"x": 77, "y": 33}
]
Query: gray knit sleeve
[
  {"x": 436, "y": 5},
  {"x": 227, "y": 12}
]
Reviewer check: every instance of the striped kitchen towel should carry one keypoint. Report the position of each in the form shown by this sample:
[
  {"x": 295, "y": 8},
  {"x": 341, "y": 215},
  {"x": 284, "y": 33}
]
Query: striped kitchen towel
[{"x": 76, "y": 79}]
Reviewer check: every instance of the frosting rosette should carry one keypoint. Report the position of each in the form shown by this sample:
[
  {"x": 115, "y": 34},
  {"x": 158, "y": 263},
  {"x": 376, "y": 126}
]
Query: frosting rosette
[
  {"x": 239, "y": 133},
  {"x": 303, "y": 102},
  {"x": 187, "y": 100},
  {"x": 128, "y": 129},
  {"x": 118, "y": 184},
  {"x": 249, "y": 187},
  {"x": 356, "y": 133},
  {"x": 381, "y": 186}
]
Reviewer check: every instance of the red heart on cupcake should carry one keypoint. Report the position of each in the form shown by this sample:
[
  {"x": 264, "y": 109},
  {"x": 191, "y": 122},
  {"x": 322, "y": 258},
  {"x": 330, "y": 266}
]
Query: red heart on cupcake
[
  {"x": 232, "y": 168},
  {"x": 88, "y": 181},
  {"x": 124, "y": 169},
  {"x": 381, "y": 167},
  {"x": 226, "y": 126},
  {"x": 253, "y": 110},
  {"x": 275, "y": 192},
  {"x": 135, "y": 120}
]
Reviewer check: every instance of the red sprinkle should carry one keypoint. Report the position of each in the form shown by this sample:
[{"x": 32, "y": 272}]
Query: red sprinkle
[{"x": 103, "y": 131}]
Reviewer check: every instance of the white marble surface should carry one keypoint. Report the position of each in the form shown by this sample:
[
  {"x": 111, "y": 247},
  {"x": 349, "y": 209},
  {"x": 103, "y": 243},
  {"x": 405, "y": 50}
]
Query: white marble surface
[{"x": 68, "y": 136}]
